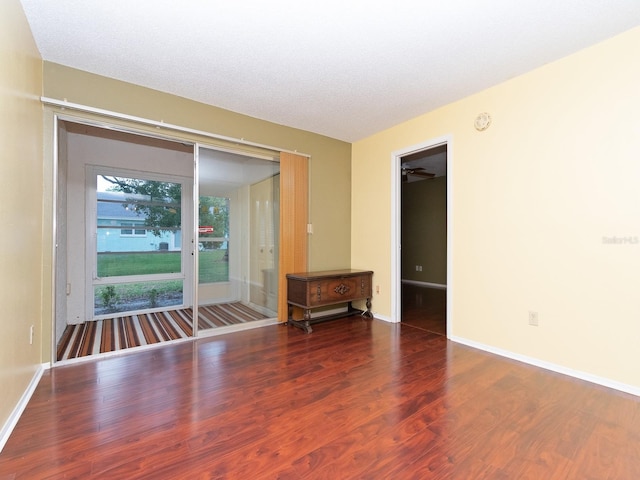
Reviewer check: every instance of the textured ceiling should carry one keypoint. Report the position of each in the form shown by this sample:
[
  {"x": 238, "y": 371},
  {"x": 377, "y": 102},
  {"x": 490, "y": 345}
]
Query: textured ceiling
[{"x": 345, "y": 69}]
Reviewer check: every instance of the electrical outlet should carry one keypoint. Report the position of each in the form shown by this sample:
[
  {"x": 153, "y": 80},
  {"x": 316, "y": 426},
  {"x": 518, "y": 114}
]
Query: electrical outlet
[
  {"x": 31, "y": 335},
  {"x": 533, "y": 319},
  {"x": 377, "y": 289}
]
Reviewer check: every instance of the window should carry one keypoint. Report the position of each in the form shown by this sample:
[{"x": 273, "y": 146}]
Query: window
[
  {"x": 213, "y": 239},
  {"x": 132, "y": 232},
  {"x": 138, "y": 257}
]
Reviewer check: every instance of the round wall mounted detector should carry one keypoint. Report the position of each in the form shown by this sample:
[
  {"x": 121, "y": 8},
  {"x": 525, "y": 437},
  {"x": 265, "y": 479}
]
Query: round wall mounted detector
[{"x": 482, "y": 122}]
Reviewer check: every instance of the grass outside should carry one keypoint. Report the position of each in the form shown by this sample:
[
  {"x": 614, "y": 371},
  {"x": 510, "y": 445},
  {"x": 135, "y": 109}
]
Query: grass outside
[{"x": 212, "y": 264}]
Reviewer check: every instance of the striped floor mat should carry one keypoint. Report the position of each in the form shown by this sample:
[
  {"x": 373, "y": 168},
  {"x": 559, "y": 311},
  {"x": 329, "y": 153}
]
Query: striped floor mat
[
  {"x": 109, "y": 335},
  {"x": 223, "y": 314}
]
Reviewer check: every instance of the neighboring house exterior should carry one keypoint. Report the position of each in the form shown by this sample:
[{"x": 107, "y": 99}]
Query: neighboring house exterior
[{"x": 121, "y": 229}]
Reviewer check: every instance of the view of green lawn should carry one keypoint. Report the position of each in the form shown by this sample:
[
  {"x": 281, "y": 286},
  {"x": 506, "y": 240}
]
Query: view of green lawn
[{"x": 213, "y": 265}]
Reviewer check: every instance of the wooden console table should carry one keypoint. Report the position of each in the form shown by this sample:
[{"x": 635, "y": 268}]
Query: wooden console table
[{"x": 318, "y": 289}]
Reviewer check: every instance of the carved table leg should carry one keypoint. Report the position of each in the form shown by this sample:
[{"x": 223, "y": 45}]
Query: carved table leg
[
  {"x": 306, "y": 318},
  {"x": 368, "y": 313}
]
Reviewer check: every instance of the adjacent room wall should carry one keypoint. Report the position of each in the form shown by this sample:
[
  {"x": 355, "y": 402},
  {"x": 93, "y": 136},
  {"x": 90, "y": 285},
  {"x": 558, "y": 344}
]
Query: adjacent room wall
[
  {"x": 21, "y": 171},
  {"x": 545, "y": 211},
  {"x": 424, "y": 231}
]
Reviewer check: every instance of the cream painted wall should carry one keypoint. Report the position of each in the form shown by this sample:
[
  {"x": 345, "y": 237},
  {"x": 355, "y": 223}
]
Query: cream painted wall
[
  {"x": 21, "y": 206},
  {"x": 534, "y": 196}
]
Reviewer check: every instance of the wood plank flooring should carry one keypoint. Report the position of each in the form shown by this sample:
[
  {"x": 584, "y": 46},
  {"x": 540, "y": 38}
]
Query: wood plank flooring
[
  {"x": 356, "y": 399},
  {"x": 425, "y": 308}
]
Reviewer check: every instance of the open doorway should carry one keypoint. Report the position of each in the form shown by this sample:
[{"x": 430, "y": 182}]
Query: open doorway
[{"x": 423, "y": 260}]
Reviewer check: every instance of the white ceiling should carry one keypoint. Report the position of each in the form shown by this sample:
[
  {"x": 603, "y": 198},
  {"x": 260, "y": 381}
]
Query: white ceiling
[
  {"x": 221, "y": 174},
  {"x": 342, "y": 68}
]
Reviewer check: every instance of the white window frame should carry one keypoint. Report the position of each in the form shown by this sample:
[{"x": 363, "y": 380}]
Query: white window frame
[{"x": 92, "y": 279}]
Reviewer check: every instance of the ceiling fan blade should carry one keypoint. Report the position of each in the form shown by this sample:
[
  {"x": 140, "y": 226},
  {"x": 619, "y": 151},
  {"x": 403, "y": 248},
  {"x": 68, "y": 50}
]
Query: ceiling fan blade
[{"x": 422, "y": 174}]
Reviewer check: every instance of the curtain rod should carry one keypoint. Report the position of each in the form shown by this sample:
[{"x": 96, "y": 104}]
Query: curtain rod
[{"x": 160, "y": 124}]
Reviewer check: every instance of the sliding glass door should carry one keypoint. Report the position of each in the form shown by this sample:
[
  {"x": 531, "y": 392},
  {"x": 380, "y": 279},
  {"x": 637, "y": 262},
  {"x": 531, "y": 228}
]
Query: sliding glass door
[{"x": 159, "y": 229}]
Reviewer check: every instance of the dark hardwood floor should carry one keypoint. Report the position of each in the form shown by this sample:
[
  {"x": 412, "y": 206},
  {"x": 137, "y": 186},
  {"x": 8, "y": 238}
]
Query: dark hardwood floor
[
  {"x": 356, "y": 399},
  {"x": 425, "y": 308}
]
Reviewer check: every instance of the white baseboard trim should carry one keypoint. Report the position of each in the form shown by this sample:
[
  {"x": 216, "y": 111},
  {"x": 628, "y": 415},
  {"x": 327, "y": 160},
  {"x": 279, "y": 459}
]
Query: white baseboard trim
[
  {"x": 11, "y": 422},
  {"x": 384, "y": 318},
  {"x": 425, "y": 284},
  {"x": 605, "y": 382}
]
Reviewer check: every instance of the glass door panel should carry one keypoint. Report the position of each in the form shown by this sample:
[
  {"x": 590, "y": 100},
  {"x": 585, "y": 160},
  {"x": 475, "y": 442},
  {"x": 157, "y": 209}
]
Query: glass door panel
[
  {"x": 263, "y": 248},
  {"x": 237, "y": 241}
]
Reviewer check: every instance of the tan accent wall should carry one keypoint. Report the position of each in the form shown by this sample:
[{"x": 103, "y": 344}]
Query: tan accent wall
[
  {"x": 330, "y": 164},
  {"x": 21, "y": 172},
  {"x": 424, "y": 231},
  {"x": 329, "y": 194},
  {"x": 546, "y": 211}
]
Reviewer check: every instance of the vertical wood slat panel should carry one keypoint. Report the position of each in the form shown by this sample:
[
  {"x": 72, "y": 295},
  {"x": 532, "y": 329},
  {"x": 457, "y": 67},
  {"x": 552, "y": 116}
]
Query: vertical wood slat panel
[{"x": 294, "y": 195}]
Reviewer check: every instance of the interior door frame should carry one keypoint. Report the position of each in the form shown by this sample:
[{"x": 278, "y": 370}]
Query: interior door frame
[{"x": 396, "y": 225}]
